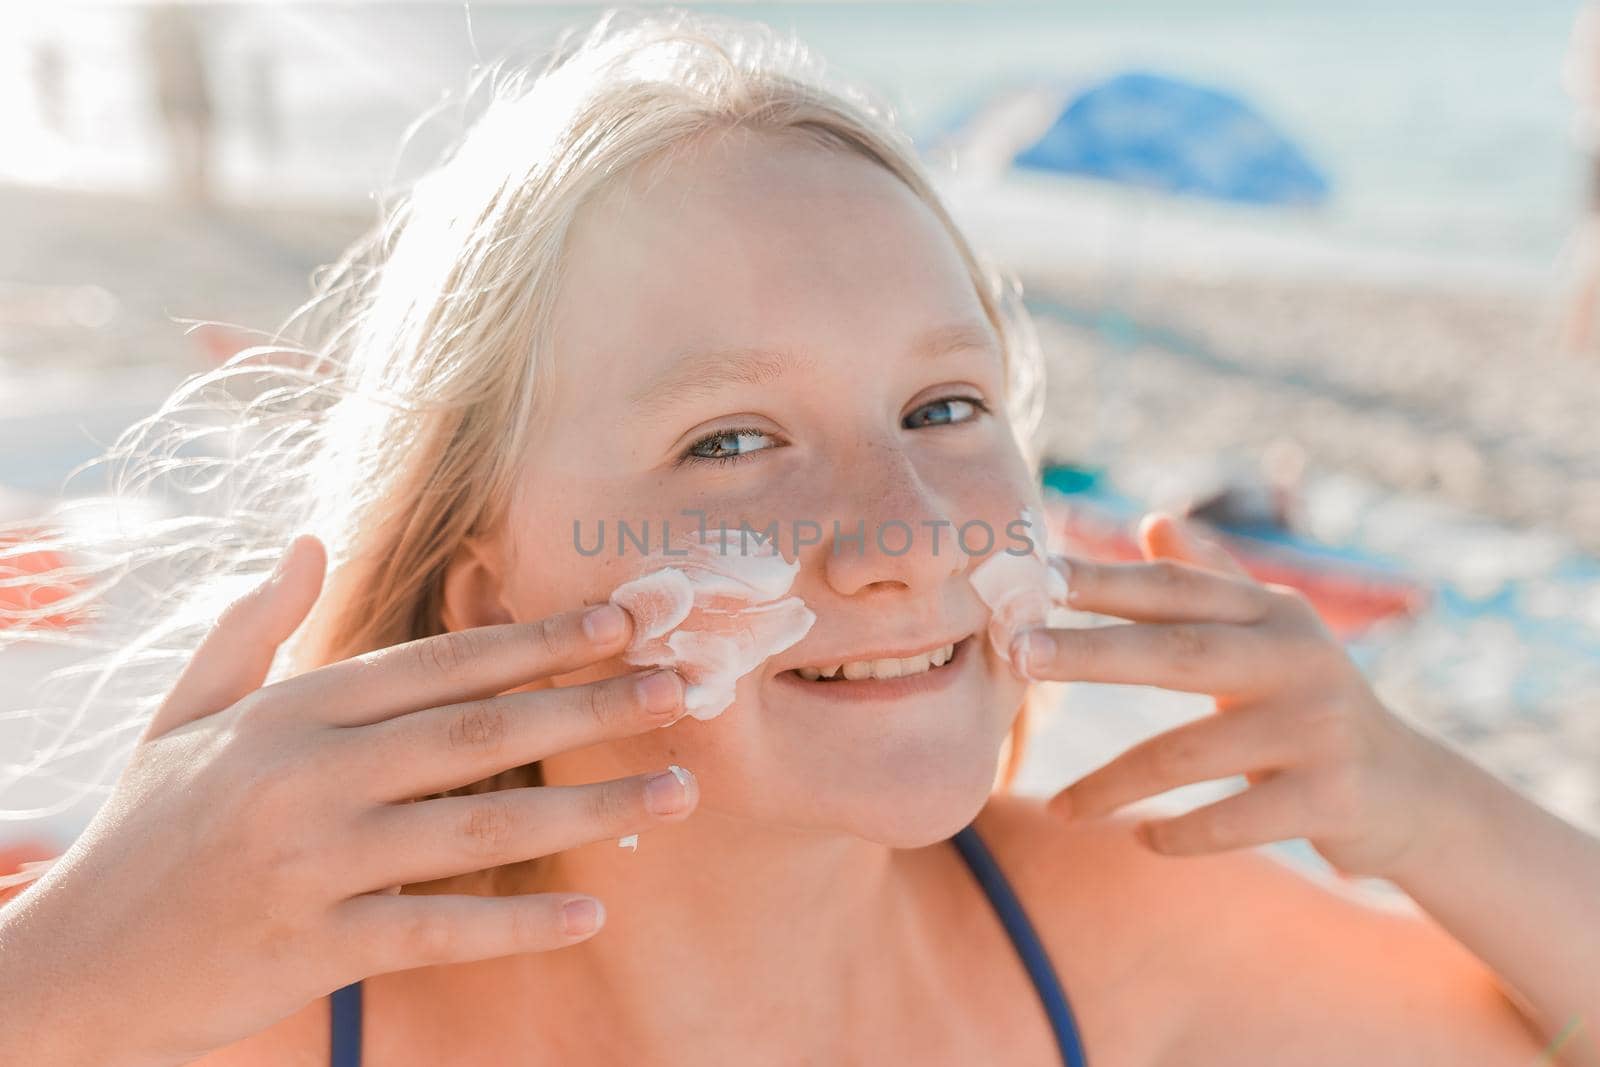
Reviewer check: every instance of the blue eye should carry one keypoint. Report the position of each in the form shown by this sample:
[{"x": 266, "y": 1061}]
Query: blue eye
[
  {"x": 726, "y": 446},
  {"x": 731, "y": 446},
  {"x": 946, "y": 411}
]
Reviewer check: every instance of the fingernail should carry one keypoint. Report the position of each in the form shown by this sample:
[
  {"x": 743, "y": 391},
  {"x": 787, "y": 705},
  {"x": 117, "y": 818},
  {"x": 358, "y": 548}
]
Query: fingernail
[
  {"x": 1036, "y": 647},
  {"x": 667, "y": 793},
  {"x": 582, "y": 916},
  {"x": 604, "y": 623},
  {"x": 660, "y": 692}
]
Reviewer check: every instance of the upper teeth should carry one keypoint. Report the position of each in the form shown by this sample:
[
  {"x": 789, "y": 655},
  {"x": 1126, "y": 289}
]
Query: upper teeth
[{"x": 855, "y": 670}]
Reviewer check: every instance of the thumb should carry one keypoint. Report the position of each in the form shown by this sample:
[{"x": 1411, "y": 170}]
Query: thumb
[
  {"x": 235, "y": 656},
  {"x": 1161, "y": 536}
]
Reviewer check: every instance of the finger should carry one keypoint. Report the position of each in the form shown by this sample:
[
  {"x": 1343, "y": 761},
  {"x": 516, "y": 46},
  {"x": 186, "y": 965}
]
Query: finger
[
  {"x": 395, "y": 933},
  {"x": 1162, "y": 536},
  {"x": 1220, "y": 659},
  {"x": 1163, "y": 591},
  {"x": 446, "y": 836},
  {"x": 456, "y": 666},
  {"x": 1259, "y": 815},
  {"x": 1220, "y": 745},
  {"x": 235, "y": 656},
  {"x": 437, "y": 749}
]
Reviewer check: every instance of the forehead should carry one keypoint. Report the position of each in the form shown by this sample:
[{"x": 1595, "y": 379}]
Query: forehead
[{"x": 755, "y": 238}]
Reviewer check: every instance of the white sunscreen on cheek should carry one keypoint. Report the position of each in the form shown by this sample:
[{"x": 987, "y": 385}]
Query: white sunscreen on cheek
[
  {"x": 714, "y": 613},
  {"x": 1022, "y": 591}
]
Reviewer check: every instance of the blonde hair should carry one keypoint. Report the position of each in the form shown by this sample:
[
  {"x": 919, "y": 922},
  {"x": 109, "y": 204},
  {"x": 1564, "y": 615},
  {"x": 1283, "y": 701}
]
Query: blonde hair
[{"x": 391, "y": 427}]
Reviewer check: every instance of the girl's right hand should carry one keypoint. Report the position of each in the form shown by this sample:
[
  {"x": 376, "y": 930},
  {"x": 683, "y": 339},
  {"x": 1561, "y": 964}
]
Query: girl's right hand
[{"x": 248, "y": 859}]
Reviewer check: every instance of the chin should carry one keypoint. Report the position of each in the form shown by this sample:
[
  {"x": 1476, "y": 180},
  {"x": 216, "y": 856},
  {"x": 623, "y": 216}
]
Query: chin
[{"x": 906, "y": 795}]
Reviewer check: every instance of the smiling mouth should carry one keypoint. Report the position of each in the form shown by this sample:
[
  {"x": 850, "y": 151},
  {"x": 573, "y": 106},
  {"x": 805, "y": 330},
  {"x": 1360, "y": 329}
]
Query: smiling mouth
[{"x": 861, "y": 670}]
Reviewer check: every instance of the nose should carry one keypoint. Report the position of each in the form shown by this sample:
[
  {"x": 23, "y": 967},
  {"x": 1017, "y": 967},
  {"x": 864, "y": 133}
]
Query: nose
[{"x": 890, "y": 532}]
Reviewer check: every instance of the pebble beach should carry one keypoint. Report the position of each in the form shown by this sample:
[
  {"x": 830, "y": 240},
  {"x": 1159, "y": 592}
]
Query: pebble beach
[{"x": 1441, "y": 434}]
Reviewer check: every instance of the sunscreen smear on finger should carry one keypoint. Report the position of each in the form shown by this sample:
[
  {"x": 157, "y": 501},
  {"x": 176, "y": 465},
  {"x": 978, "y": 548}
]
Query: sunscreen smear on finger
[
  {"x": 1023, "y": 591},
  {"x": 714, "y": 610}
]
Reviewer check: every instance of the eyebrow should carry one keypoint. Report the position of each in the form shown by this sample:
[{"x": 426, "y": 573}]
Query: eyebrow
[{"x": 698, "y": 373}]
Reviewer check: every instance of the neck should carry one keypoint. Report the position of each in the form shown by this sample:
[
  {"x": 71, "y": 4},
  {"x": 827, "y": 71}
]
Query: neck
[{"x": 699, "y": 912}]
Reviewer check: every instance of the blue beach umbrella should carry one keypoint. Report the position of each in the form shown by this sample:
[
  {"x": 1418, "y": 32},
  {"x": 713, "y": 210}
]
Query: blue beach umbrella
[
  {"x": 1148, "y": 134},
  {"x": 1173, "y": 136}
]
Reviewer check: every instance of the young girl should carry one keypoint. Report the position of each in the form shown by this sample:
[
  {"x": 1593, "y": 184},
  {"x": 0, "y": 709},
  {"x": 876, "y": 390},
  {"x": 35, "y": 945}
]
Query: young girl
[{"x": 678, "y": 273}]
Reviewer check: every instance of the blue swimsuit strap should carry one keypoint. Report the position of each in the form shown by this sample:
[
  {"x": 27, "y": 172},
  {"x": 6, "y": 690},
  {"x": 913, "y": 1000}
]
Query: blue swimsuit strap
[
  {"x": 346, "y": 1001},
  {"x": 346, "y": 1004},
  {"x": 1022, "y": 935}
]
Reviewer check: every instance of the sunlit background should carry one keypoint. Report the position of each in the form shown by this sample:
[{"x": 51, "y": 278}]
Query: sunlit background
[{"x": 1305, "y": 269}]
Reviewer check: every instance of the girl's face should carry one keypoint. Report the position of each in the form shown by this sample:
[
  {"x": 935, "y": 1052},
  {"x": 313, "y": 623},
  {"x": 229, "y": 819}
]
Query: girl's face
[{"x": 769, "y": 332}]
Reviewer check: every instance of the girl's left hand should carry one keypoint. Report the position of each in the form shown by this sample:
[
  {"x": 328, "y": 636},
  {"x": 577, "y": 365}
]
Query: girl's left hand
[{"x": 1325, "y": 759}]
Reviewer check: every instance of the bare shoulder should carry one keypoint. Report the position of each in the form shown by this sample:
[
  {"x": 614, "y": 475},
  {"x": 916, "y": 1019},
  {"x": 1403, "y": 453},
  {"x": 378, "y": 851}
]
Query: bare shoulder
[
  {"x": 1106, "y": 920},
  {"x": 1248, "y": 958},
  {"x": 1090, "y": 883},
  {"x": 300, "y": 1040}
]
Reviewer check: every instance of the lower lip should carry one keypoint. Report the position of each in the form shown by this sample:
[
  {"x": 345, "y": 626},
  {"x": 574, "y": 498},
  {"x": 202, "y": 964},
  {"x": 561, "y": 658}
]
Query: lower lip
[{"x": 882, "y": 690}]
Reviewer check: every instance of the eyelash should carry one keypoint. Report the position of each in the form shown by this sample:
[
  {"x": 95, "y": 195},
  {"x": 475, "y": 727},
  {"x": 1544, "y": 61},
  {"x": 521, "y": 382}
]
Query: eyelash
[{"x": 689, "y": 457}]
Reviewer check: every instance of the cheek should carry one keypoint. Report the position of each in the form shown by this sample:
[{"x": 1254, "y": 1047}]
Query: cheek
[
  {"x": 562, "y": 538},
  {"x": 549, "y": 575},
  {"x": 988, "y": 492},
  {"x": 552, "y": 568}
]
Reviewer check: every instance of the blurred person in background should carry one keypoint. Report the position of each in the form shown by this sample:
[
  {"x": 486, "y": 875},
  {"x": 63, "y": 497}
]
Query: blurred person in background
[
  {"x": 1580, "y": 77},
  {"x": 175, "y": 59},
  {"x": 49, "y": 74}
]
